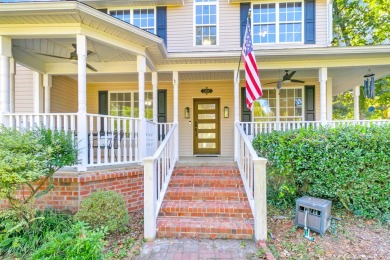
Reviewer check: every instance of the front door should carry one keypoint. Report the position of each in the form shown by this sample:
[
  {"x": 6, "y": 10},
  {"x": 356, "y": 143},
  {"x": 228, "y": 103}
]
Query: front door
[{"x": 206, "y": 126}]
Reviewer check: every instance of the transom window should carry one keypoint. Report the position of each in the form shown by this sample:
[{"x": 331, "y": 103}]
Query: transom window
[
  {"x": 290, "y": 105},
  {"x": 206, "y": 22},
  {"x": 142, "y": 18},
  {"x": 282, "y": 22},
  {"x": 126, "y": 104}
]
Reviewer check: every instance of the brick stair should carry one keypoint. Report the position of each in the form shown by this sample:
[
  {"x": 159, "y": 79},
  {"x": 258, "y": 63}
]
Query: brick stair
[{"x": 205, "y": 202}]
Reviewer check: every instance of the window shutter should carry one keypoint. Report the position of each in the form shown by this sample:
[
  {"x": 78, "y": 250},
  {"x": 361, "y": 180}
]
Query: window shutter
[
  {"x": 103, "y": 107},
  {"x": 162, "y": 105},
  {"x": 310, "y": 22},
  {"x": 246, "y": 114},
  {"x": 310, "y": 103},
  {"x": 244, "y": 9},
  {"x": 162, "y": 23}
]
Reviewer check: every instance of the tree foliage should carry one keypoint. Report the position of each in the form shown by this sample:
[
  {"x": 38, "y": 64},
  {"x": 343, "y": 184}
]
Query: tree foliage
[
  {"x": 362, "y": 22},
  {"x": 29, "y": 159}
]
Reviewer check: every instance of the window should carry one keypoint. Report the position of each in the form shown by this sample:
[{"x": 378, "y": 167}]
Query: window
[
  {"x": 142, "y": 18},
  {"x": 206, "y": 22},
  {"x": 126, "y": 104},
  {"x": 274, "y": 23},
  {"x": 290, "y": 105}
]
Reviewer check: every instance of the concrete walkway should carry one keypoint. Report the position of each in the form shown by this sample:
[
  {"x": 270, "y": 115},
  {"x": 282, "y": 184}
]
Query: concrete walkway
[{"x": 193, "y": 249}]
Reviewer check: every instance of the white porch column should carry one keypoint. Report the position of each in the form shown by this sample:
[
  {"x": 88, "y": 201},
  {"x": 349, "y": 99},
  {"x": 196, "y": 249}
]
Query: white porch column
[
  {"x": 236, "y": 75},
  {"x": 329, "y": 100},
  {"x": 82, "y": 129},
  {"x": 141, "y": 68},
  {"x": 12, "y": 85},
  {"x": 150, "y": 200},
  {"x": 356, "y": 109},
  {"x": 155, "y": 91},
  {"x": 323, "y": 76},
  {"x": 47, "y": 84},
  {"x": 5, "y": 54},
  {"x": 175, "y": 79},
  {"x": 37, "y": 92}
]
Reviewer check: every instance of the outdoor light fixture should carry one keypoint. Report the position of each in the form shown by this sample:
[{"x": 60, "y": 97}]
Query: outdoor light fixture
[
  {"x": 187, "y": 112},
  {"x": 226, "y": 112},
  {"x": 148, "y": 102},
  {"x": 206, "y": 90}
]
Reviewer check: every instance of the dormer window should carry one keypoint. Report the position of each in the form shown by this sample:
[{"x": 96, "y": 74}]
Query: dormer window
[
  {"x": 278, "y": 23},
  {"x": 142, "y": 18},
  {"x": 206, "y": 22}
]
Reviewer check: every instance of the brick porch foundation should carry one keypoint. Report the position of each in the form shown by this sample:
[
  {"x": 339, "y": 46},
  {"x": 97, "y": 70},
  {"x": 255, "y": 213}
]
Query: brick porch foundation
[{"x": 70, "y": 189}]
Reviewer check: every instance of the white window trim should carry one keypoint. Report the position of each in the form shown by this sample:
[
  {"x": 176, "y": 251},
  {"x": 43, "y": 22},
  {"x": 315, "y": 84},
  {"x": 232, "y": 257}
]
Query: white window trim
[
  {"x": 131, "y": 100},
  {"x": 131, "y": 9},
  {"x": 278, "y": 22},
  {"x": 278, "y": 108},
  {"x": 194, "y": 24}
]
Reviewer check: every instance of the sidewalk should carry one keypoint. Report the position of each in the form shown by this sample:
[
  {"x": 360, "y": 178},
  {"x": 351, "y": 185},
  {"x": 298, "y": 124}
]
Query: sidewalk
[{"x": 193, "y": 249}]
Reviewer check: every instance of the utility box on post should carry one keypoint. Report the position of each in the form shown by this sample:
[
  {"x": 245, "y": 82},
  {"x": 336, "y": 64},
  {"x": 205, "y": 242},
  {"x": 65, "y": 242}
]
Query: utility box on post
[{"x": 318, "y": 213}]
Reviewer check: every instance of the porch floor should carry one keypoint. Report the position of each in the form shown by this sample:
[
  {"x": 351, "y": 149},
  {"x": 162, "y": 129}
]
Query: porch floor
[{"x": 203, "y": 160}]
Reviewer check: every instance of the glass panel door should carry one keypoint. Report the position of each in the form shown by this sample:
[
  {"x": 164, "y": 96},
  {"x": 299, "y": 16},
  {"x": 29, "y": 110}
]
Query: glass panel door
[{"x": 206, "y": 126}]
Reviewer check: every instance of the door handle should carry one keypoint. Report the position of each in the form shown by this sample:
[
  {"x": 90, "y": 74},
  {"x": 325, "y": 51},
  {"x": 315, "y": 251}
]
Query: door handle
[{"x": 196, "y": 126}]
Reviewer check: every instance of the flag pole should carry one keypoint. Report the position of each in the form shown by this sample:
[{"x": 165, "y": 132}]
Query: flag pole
[{"x": 239, "y": 62}]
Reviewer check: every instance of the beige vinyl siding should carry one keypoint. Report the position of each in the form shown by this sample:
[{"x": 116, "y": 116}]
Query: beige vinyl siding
[
  {"x": 63, "y": 95},
  {"x": 180, "y": 29},
  {"x": 24, "y": 100},
  {"x": 190, "y": 90}
]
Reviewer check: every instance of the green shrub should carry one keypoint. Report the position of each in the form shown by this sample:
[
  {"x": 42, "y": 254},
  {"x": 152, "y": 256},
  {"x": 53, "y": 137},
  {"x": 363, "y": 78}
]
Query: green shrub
[
  {"x": 20, "y": 240},
  {"x": 349, "y": 165},
  {"x": 30, "y": 159},
  {"x": 104, "y": 208},
  {"x": 80, "y": 242}
]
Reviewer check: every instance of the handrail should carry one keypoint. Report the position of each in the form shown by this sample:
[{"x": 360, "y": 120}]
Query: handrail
[
  {"x": 157, "y": 174},
  {"x": 253, "y": 174}
]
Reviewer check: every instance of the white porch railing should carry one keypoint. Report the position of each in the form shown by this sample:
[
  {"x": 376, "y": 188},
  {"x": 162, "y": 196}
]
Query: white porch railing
[
  {"x": 252, "y": 129},
  {"x": 56, "y": 121},
  {"x": 162, "y": 130},
  {"x": 253, "y": 174},
  {"x": 157, "y": 174},
  {"x": 112, "y": 140},
  {"x": 151, "y": 138}
]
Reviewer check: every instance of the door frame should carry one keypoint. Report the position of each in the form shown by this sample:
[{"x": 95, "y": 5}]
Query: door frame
[{"x": 218, "y": 125}]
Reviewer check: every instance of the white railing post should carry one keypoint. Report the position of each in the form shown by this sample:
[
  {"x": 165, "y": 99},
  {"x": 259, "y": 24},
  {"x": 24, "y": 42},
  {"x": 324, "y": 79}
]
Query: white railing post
[
  {"x": 150, "y": 199},
  {"x": 260, "y": 198}
]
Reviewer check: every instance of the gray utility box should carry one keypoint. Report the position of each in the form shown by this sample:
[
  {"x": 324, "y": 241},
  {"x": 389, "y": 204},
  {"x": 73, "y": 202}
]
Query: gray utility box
[{"x": 318, "y": 213}]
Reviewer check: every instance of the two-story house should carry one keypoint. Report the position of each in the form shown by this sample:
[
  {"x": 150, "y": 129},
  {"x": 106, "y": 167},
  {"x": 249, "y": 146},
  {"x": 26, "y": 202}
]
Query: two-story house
[{"x": 121, "y": 74}]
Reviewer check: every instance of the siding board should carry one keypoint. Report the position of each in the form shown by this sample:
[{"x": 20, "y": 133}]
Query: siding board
[{"x": 24, "y": 98}]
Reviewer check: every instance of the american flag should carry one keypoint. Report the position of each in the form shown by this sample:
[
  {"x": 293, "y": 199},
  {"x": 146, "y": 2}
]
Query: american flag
[{"x": 252, "y": 85}]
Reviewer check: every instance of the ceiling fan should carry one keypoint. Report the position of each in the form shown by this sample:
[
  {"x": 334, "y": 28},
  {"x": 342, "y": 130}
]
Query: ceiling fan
[
  {"x": 286, "y": 78},
  {"x": 73, "y": 56}
]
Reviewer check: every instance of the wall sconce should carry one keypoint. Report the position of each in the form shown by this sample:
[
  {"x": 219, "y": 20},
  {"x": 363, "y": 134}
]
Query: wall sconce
[
  {"x": 186, "y": 112},
  {"x": 226, "y": 112}
]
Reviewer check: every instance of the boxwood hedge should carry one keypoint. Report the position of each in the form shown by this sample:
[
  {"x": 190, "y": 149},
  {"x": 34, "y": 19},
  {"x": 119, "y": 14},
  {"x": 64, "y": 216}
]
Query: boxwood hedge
[{"x": 349, "y": 165}]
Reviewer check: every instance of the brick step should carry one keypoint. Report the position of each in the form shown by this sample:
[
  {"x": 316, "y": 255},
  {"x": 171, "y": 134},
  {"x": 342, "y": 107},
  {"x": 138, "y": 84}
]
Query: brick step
[
  {"x": 231, "y": 228},
  {"x": 206, "y": 181},
  {"x": 204, "y": 193},
  {"x": 206, "y": 171},
  {"x": 216, "y": 209}
]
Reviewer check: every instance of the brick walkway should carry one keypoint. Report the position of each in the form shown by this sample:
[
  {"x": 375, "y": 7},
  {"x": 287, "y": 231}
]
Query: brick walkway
[{"x": 193, "y": 249}]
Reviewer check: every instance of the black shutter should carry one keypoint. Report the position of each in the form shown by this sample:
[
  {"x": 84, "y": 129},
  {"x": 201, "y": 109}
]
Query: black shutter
[
  {"x": 162, "y": 23},
  {"x": 246, "y": 114},
  {"x": 244, "y": 9},
  {"x": 162, "y": 106},
  {"x": 310, "y": 22},
  {"x": 310, "y": 103},
  {"x": 103, "y": 107}
]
